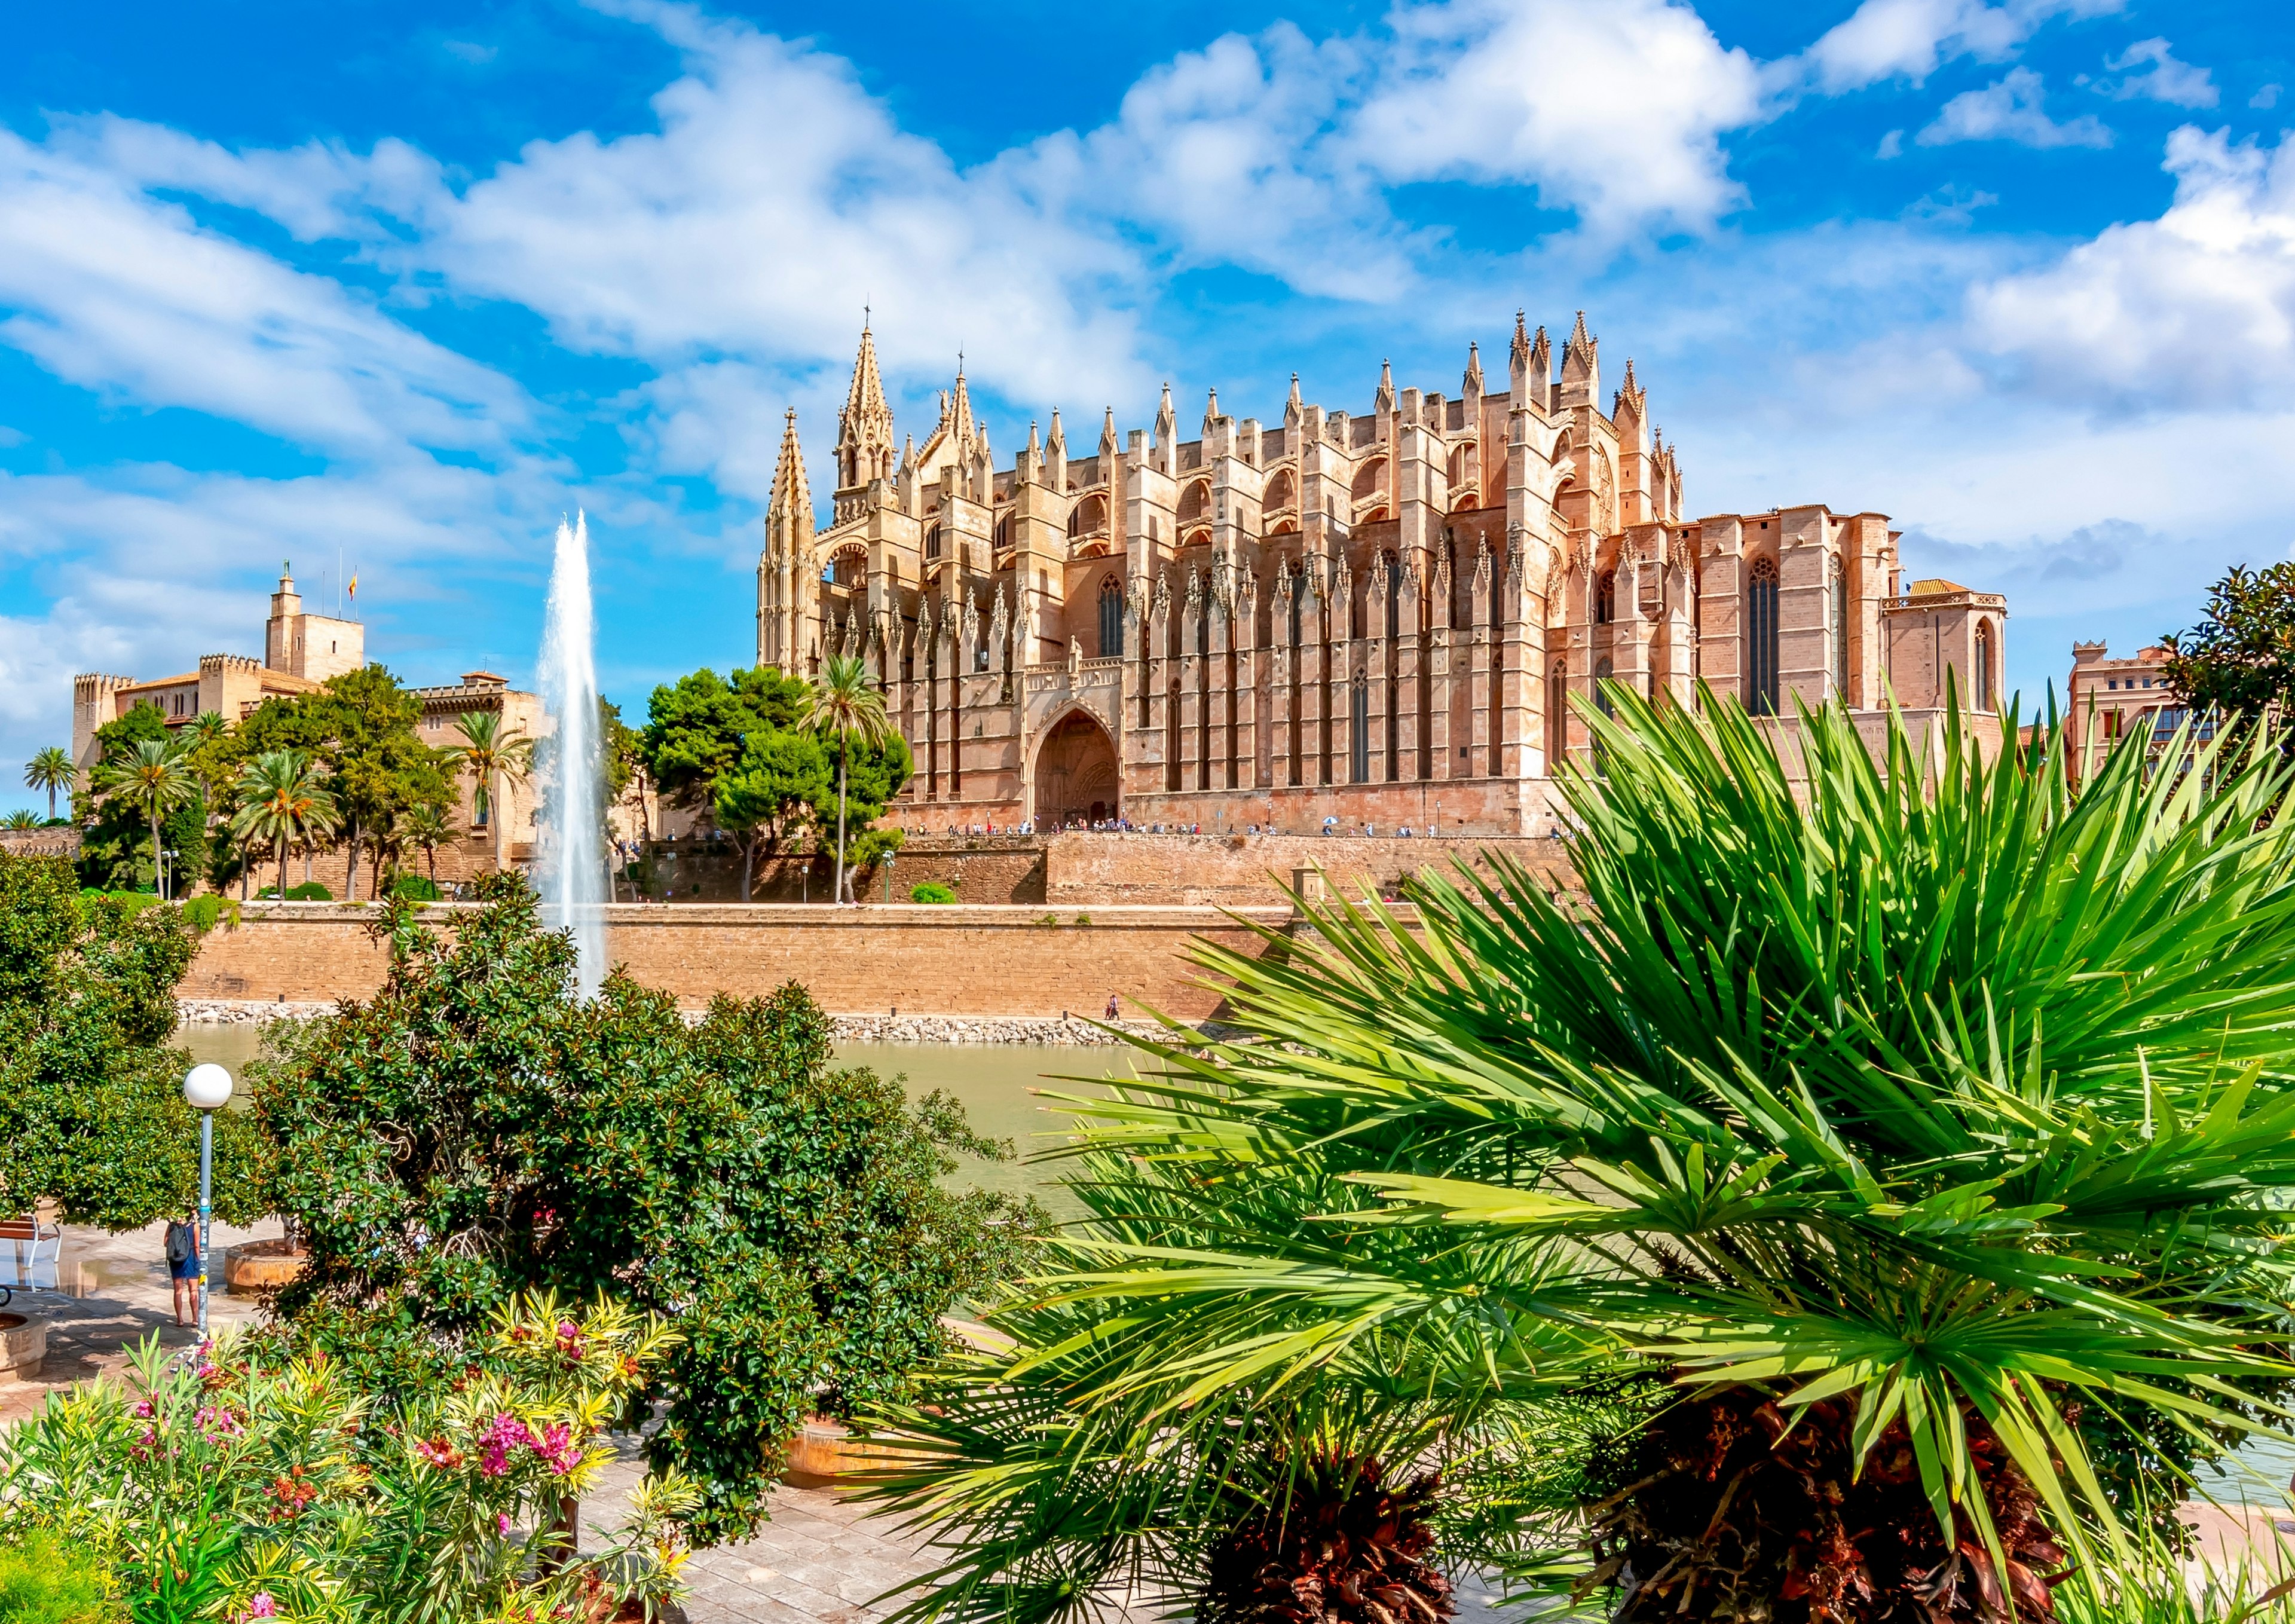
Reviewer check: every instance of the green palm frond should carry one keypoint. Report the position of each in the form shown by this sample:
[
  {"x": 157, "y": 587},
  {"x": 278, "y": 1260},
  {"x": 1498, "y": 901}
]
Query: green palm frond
[{"x": 1923, "y": 1086}]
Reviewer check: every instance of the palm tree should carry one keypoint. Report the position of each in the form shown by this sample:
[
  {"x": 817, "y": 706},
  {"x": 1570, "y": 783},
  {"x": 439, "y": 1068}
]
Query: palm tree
[
  {"x": 23, "y": 818},
  {"x": 427, "y": 827},
  {"x": 846, "y": 704},
  {"x": 493, "y": 754},
  {"x": 155, "y": 778},
  {"x": 1868, "y": 1156},
  {"x": 50, "y": 770},
  {"x": 281, "y": 799}
]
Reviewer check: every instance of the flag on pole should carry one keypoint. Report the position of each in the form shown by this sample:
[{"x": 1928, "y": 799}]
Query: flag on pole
[{"x": 352, "y": 588}]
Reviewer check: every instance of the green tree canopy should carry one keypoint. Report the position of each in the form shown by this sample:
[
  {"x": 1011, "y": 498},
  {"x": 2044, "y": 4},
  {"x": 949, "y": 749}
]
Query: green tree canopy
[
  {"x": 2241, "y": 657},
  {"x": 362, "y": 726},
  {"x": 780, "y": 780},
  {"x": 476, "y": 1130},
  {"x": 92, "y": 1111},
  {"x": 697, "y": 728}
]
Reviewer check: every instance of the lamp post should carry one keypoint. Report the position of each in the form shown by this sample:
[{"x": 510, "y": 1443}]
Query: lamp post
[{"x": 207, "y": 1088}]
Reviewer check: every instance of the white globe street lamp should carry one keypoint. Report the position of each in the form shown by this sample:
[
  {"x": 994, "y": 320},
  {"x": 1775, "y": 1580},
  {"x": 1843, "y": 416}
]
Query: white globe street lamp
[{"x": 207, "y": 1087}]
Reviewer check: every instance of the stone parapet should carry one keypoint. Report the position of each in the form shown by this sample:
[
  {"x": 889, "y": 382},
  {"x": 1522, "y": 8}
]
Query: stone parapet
[{"x": 984, "y": 962}]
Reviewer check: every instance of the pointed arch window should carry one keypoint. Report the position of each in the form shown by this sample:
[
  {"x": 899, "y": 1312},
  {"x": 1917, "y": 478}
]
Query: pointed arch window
[
  {"x": 1606, "y": 596},
  {"x": 1984, "y": 688},
  {"x": 1838, "y": 607},
  {"x": 1111, "y": 617},
  {"x": 1393, "y": 596},
  {"x": 1602, "y": 674},
  {"x": 1359, "y": 734},
  {"x": 1761, "y": 638},
  {"x": 1558, "y": 712}
]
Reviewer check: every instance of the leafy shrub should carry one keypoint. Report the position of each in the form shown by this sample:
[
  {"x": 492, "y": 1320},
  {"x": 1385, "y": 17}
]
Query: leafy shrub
[
  {"x": 204, "y": 913},
  {"x": 415, "y": 888},
  {"x": 92, "y": 1111},
  {"x": 789, "y": 1217},
  {"x": 48, "y": 1580},
  {"x": 309, "y": 891},
  {"x": 241, "y": 1484},
  {"x": 931, "y": 891}
]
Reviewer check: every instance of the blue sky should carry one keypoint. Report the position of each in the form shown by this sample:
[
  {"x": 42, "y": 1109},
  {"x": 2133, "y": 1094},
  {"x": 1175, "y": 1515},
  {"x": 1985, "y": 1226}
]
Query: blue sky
[{"x": 403, "y": 282}]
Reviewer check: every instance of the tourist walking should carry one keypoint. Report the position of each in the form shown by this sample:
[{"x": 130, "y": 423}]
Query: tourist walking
[
  {"x": 182, "y": 1245},
  {"x": 1111, "y": 1006}
]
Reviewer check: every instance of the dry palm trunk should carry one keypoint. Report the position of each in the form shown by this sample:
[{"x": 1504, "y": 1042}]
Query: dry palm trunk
[
  {"x": 1340, "y": 1546},
  {"x": 1733, "y": 1517}
]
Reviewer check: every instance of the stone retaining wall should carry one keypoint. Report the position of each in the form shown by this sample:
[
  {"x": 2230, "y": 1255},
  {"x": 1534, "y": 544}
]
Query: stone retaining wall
[
  {"x": 929, "y": 1029},
  {"x": 996, "y": 962},
  {"x": 1237, "y": 869}
]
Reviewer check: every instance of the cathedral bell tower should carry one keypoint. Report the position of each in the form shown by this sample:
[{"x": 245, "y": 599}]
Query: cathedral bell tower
[{"x": 789, "y": 591}]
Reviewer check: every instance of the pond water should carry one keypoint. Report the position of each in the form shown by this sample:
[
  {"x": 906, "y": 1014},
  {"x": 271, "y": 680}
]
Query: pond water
[{"x": 996, "y": 1084}]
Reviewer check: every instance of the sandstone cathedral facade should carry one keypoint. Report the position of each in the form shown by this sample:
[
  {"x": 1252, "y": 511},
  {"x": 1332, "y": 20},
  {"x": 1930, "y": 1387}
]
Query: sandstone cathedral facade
[{"x": 1380, "y": 617}]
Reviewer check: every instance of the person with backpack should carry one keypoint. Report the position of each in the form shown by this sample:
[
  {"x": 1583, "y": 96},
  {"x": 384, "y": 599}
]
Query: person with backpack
[{"x": 184, "y": 1266}]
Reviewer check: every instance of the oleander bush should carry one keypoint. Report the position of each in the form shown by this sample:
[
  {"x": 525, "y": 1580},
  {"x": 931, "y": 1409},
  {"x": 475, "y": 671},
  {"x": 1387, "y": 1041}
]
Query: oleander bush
[
  {"x": 931, "y": 891},
  {"x": 44, "y": 1579},
  {"x": 237, "y": 1481},
  {"x": 478, "y": 1130}
]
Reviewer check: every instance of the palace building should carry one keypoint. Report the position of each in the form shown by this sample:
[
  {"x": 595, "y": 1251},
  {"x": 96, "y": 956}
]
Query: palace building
[{"x": 1380, "y": 617}]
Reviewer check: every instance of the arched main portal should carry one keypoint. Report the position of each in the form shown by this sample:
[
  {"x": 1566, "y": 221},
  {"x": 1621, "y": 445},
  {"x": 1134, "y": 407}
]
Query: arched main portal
[{"x": 1076, "y": 779}]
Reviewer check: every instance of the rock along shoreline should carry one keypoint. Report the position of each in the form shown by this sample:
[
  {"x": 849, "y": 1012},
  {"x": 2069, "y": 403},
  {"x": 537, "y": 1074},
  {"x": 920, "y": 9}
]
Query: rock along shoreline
[{"x": 1062, "y": 1031}]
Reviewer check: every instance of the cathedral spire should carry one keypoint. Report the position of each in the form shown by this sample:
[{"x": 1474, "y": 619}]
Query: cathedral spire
[
  {"x": 1386, "y": 401},
  {"x": 1472, "y": 385},
  {"x": 1292, "y": 408},
  {"x": 1167, "y": 421},
  {"x": 791, "y": 495},
  {"x": 1107, "y": 434},
  {"x": 1056, "y": 455},
  {"x": 1211, "y": 413},
  {"x": 864, "y": 432}
]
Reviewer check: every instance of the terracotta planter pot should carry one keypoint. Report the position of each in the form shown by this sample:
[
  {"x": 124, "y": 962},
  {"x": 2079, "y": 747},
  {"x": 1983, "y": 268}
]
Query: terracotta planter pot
[
  {"x": 254, "y": 1267},
  {"x": 23, "y": 1345},
  {"x": 825, "y": 1455}
]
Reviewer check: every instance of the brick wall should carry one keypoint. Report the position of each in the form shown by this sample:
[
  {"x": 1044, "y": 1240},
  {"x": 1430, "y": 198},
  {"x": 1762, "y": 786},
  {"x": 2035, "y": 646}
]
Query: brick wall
[
  {"x": 944, "y": 960},
  {"x": 1240, "y": 871},
  {"x": 989, "y": 869}
]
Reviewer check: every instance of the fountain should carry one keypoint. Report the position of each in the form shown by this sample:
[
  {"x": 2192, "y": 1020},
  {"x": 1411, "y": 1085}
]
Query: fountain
[{"x": 573, "y": 868}]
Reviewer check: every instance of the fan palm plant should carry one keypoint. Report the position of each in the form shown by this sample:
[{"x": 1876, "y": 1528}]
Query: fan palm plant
[
  {"x": 281, "y": 799},
  {"x": 496, "y": 754},
  {"x": 23, "y": 818},
  {"x": 845, "y": 704},
  {"x": 50, "y": 770},
  {"x": 426, "y": 828},
  {"x": 1897, "y": 1135},
  {"x": 155, "y": 778}
]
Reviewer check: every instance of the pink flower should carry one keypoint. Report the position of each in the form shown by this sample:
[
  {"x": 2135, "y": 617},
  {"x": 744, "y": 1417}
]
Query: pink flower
[
  {"x": 143, "y": 1410},
  {"x": 438, "y": 1452},
  {"x": 260, "y": 1606},
  {"x": 569, "y": 1340},
  {"x": 502, "y": 1524},
  {"x": 507, "y": 1432},
  {"x": 558, "y": 1448}
]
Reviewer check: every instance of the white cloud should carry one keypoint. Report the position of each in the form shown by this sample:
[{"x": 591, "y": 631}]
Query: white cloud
[
  {"x": 2165, "y": 79},
  {"x": 2267, "y": 97},
  {"x": 127, "y": 296},
  {"x": 472, "y": 52},
  {"x": 1534, "y": 94},
  {"x": 2194, "y": 308},
  {"x": 1892, "y": 145},
  {"x": 1910, "y": 39},
  {"x": 2012, "y": 109}
]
